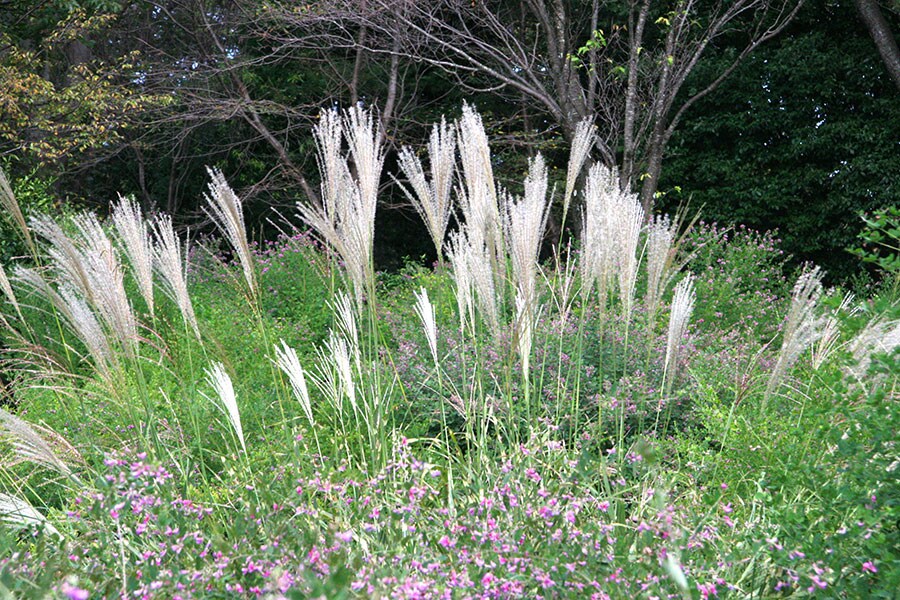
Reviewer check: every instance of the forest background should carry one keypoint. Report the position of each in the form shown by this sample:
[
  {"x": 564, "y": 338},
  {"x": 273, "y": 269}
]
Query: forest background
[{"x": 775, "y": 115}]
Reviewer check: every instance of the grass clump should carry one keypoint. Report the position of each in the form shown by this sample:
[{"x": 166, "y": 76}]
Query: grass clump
[{"x": 656, "y": 414}]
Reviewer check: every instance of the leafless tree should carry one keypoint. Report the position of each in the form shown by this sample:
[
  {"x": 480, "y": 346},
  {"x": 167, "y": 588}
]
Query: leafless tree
[{"x": 625, "y": 63}]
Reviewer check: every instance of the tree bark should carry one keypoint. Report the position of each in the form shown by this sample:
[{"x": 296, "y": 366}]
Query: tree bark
[{"x": 881, "y": 34}]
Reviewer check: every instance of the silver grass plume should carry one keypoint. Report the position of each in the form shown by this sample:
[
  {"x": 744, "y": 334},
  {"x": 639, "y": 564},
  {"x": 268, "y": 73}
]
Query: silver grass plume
[
  {"x": 828, "y": 341},
  {"x": 478, "y": 197},
  {"x": 345, "y": 318},
  {"x": 7, "y": 289},
  {"x": 877, "y": 336},
  {"x": 287, "y": 360},
  {"x": 680, "y": 314},
  {"x": 596, "y": 232},
  {"x": 168, "y": 262},
  {"x": 582, "y": 143},
  {"x": 10, "y": 206},
  {"x": 525, "y": 220},
  {"x": 629, "y": 219},
  {"x": 226, "y": 401},
  {"x": 227, "y": 212},
  {"x": 18, "y": 512},
  {"x": 802, "y": 327},
  {"x": 425, "y": 311},
  {"x": 132, "y": 233},
  {"x": 661, "y": 234},
  {"x": 458, "y": 255},
  {"x": 78, "y": 316},
  {"x": 106, "y": 279},
  {"x": 83, "y": 322},
  {"x": 64, "y": 255},
  {"x": 432, "y": 198},
  {"x": 346, "y": 218},
  {"x": 613, "y": 221},
  {"x": 29, "y": 446}
]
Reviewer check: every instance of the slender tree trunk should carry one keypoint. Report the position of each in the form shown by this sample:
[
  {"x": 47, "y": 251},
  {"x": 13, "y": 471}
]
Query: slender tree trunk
[
  {"x": 881, "y": 34},
  {"x": 636, "y": 37}
]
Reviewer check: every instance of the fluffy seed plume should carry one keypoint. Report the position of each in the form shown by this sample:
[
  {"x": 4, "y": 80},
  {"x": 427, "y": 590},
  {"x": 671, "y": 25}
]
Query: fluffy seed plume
[
  {"x": 478, "y": 195},
  {"x": 106, "y": 279},
  {"x": 661, "y": 234},
  {"x": 432, "y": 198},
  {"x": 877, "y": 336},
  {"x": 425, "y": 311},
  {"x": 132, "y": 233},
  {"x": 287, "y": 360},
  {"x": 172, "y": 269},
  {"x": 10, "y": 206},
  {"x": 680, "y": 314},
  {"x": 459, "y": 262},
  {"x": 525, "y": 220},
  {"x": 226, "y": 401},
  {"x": 227, "y": 212},
  {"x": 828, "y": 341},
  {"x": 346, "y": 218},
  {"x": 581, "y": 147},
  {"x": 28, "y": 445},
  {"x": 7, "y": 289},
  {"x": 18, "y": 512},
  {"x": 801, "y": 327}
]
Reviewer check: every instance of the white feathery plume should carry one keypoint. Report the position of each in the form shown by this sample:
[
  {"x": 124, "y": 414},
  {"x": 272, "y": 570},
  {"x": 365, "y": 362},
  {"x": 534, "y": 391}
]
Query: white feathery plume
[
  {"x": 64, "y": 255},
  {"x": 877, "y": 336},
  {"x": 7, "y": 289},
  {"x": 458, "y": 255},
  {"x": 432, "y": 198},
  {"x": 10, "y": 206},
  {"x": 525, "y": 221},
  {"x": 597, "y": 231},
  {"x": 106, "y": 279},
  {"x": 172, "y": 269},
  {"x": 336, "y": 380},
  {"x": 425, "y": 311},
  {"x": 580, "y": 150},
  {"x": 830, "y": 332},
  {"x": 227, "y": 212},
  {"x": 287, "y": 360},
  {"x": 346, "y": 218},
  {"x": 78, "y": 316},
  {"x": 629, "y": 221},
  {"x": 680, "y": 314},
  {"x": 219, "y": 380},
  {"x": 135, "y": 240},
  {"x": 802, "y": 327},
  {"x": 18, "y": 512},
  {"x": 478, "y": 197},
  {"x": 28, "y": 445},
  {"x": 346, "y": 322},
  {"x": 83, "y": 322},
  {"x": 661, "y": 234}
]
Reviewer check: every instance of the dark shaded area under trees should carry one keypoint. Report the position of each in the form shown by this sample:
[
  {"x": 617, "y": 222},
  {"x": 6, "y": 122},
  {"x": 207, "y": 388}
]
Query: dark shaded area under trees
[{"x": 795, "y": 128}]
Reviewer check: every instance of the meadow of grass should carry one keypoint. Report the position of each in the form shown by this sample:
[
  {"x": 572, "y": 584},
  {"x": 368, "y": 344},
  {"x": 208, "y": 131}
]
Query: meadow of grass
[{"x": 656, "y": 411}]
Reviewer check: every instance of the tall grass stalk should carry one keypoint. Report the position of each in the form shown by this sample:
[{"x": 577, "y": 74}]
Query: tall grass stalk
[
  {"x": 172, "y": 269},
  {"x": 432, "y": 198},
  {"x": 225, "y": 400},
  {"x": 226, "y": 210},
  {"x": 679, "y": 315},
  {"x": 131, "y": 229},
  {"x": 802, "y": 327},
  {"x": 582, "y": 142}
]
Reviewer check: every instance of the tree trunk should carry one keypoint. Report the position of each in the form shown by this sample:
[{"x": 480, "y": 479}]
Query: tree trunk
[{"x": 881, "y": 34}]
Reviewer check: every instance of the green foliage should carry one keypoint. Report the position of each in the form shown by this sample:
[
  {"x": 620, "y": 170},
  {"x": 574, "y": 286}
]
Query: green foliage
[{"x": 802, "y": 137}]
